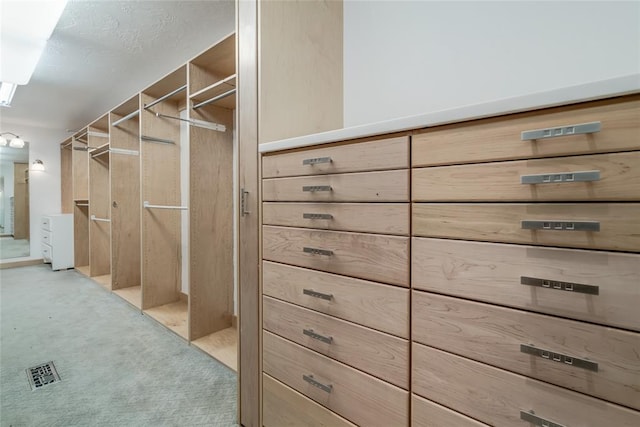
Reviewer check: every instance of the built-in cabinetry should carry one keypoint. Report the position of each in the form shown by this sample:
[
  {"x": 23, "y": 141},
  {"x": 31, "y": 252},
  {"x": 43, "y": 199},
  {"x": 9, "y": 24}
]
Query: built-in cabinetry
[
  {"x": 524, "y": 274},
  {"x": 57, "y": 240}
]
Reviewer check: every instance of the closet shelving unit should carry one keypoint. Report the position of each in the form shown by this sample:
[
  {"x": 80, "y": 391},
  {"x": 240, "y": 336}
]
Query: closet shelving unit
[
  {"x": 80, "y": 174},
  {"x": 66, "y": 176},
  {"x": 124, "y": 133},
  {"x": 162, "y": 210},
  {"x": 99, "y": 196},
  {"x": 212, "y": 103}
]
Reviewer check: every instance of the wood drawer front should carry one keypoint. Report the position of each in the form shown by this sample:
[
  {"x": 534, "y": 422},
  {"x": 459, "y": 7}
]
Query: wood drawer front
[
  {"x": 376, "y": 353},
  {"x": 359, "y": 397},
  {"x": 619, "y": 223},
  {"x": 497, "y": 397},
  {"x": 382, "y": 218},
  {"x": 500, "y": 138},
  {"x": 492, "y": 272},
  {"x": 282, "y": 406},
  {"x": 619, "y": 179},
  {"x": 355, "y": 300},
  {"x": 427, "y": 413},
  {"x": 366, "y": 256},
  {"x": 494, "y": 335},
  {"x": 386, "y": 186},
  {"x": 391, "y": 153}
]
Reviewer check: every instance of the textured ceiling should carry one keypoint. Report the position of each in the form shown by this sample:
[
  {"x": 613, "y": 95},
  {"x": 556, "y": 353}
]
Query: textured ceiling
[{"x": 103, "y": 52}]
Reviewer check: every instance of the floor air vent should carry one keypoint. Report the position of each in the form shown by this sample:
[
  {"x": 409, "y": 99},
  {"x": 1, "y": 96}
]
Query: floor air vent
[{"x": 42, "y": 375}]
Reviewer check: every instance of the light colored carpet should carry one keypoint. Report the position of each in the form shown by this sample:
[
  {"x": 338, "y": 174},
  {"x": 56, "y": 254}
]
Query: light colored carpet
[
  {"x": 11, "y": 248},
  {"x": 118, "y": 367}
]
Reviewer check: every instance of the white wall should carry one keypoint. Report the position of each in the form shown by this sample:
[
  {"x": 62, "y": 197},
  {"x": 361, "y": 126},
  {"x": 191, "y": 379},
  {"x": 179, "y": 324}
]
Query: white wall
[{"x": 403, "y": 58}]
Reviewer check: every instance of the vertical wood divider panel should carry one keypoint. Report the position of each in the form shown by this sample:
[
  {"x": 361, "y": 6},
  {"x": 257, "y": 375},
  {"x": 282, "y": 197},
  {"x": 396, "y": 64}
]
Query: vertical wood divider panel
[
  {"x": 81, "y": 235},
  {"x": 126, "y": 204},
  {"x": 80, "y": 160},
  {"x": 161, "y": 244},
  {"x": 211, "y": 223},
  {"x": 66, "y": 178}
]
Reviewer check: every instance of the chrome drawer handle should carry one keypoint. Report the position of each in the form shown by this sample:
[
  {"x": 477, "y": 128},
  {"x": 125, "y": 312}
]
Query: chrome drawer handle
[
  {"x": 560, "y": 286},
  {"x": 559, "y": 177},
  {"x": 315, "y": 251},
  {"x": 582, "y": 128},
  {"x": 530, "y": 417},
  {"x": 315, "y": 294},
  {"x": 316, "y": 336},
  {"x": 316, "y": 216},
  {"x": 561, "y": 225},
  {"x": 316, "y": 188},
  {"x": 316, "y": 161},
  {"x": 558, "y": 357},
  {"x": 313, "y": 382}
]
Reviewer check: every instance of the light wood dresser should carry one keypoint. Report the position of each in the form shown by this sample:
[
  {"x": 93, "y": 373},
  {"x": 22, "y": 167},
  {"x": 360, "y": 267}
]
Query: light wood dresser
[{"x": 521, "y": 303}]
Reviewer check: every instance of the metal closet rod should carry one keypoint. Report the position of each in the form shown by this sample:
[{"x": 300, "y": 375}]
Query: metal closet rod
[
  {"x": 94, "y": 218},
  {"x": 162, "y": 98},
  {"x": 154, "y": 139},
  {"x": 125, "y": 118},
  {"x": 196, "y": 122},
  {"x": 82, "y": 204},
  {"x": 214, "y": 99},
  {"x": 149, "y": 206},
  {"x": 98, "y": 134}
]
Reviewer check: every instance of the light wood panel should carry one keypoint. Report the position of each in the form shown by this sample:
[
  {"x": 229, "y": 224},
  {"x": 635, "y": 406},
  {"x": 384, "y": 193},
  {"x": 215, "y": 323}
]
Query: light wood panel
[
  {"x": 125, "y": 204},
  {"x": 300, "y": 68},
  {"x": 285, "y": 407},
  {"x": 500, "y": 181},
  {"x": 366, "y": 256},
  {"x": 619, "y": 225},
  {"x": 80, "y": 159},
  {"x": 222, "y": 346},
  {"x": 383, "y": 218},
  {"x": 173, "y": 316},
  {"x": 104, "y": 281},
  {"x": 382, "y": 154},
  {"x": 249, "y": 351},
  {"x": 386, "y": 186},
  {"x": 81, "y": 235},
  {"x": 99, "y": 231},
  {"x": 132, "y": 294},
  {"x": 355, "y": 300},
  {"x": 499, "y": 138},
  {"x": 491, "y": 272},
  {"x": 381, "y": 355},
  {"x": 161, "y": 237},
  {"x": 359, "y": 397},
  {"x": 210, "y": 223},
  {"x": 493, "y": 335},
  {"x": 496, "y": 397},
  {"x": 66, "y": 178},
  {"x": 213, "y": 65},
  {"x": 84, "y": 270},
  {"x": 427, "y": 413},
  {"x": 21, "y": 225}
]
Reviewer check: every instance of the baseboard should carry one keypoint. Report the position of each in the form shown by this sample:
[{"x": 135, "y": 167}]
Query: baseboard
[{"x": 24, "y": 263}]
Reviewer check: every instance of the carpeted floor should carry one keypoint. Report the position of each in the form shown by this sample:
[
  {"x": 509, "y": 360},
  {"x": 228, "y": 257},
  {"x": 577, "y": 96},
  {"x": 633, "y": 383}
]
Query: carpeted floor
[
  {"x": 117, "y": 366},
  {"x": 11, "y": 248}
]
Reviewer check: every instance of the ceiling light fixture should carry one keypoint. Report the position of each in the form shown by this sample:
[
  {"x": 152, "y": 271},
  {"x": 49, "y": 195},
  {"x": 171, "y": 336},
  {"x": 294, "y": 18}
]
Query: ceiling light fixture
[
  {"x": 37, "y": 165},
  {"x": 6, "y": 93},
  {"x": 16, "y": 142}
]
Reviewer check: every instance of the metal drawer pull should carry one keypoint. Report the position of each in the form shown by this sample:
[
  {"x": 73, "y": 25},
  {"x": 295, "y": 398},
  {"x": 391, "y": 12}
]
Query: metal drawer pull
[
  {"x": 316, "y": 216},
  {"x": 315, "y": 336},
  {"x": 315, "y": 294},
  {"x": 561, "y": 286},
  {"x": 581, "y": 128},
  {"x": 313, "y": 382},
  {"x": 555, "y": 178},
  {"x": 315, "y": 188},
  {"x": 530, "y": 417},
  {"x": 561, "y": 225},
  {"x": 315, "y": 251},
  {"x": 558, "y": 357},
  {"x": 316, "y": 161}
]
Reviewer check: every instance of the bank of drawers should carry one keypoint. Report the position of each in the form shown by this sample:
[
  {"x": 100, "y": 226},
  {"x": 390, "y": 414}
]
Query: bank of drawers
[
  {"x": 336, "y": 283},
  {"x": 525, "y": 268}
]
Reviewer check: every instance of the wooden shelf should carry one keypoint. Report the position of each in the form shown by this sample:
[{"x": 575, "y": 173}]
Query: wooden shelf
[
  {"x": 98, "y": 150},
  {"x": 104, "y": 281},
  {"x": 222, "y": 346},
  {"x": 129, "y": 106},
  {"x": 168, "y": 84},
  {"x": 132, "y": 295},
  {"x": 83, "y": 270},
  {"x": 216, "y": 89},
  {"x": 173, "y": 316}
]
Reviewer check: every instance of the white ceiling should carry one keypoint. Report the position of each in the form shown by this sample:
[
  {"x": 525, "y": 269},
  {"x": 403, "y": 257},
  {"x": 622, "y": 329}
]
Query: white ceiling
[{"x": 103, "y": 52}]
